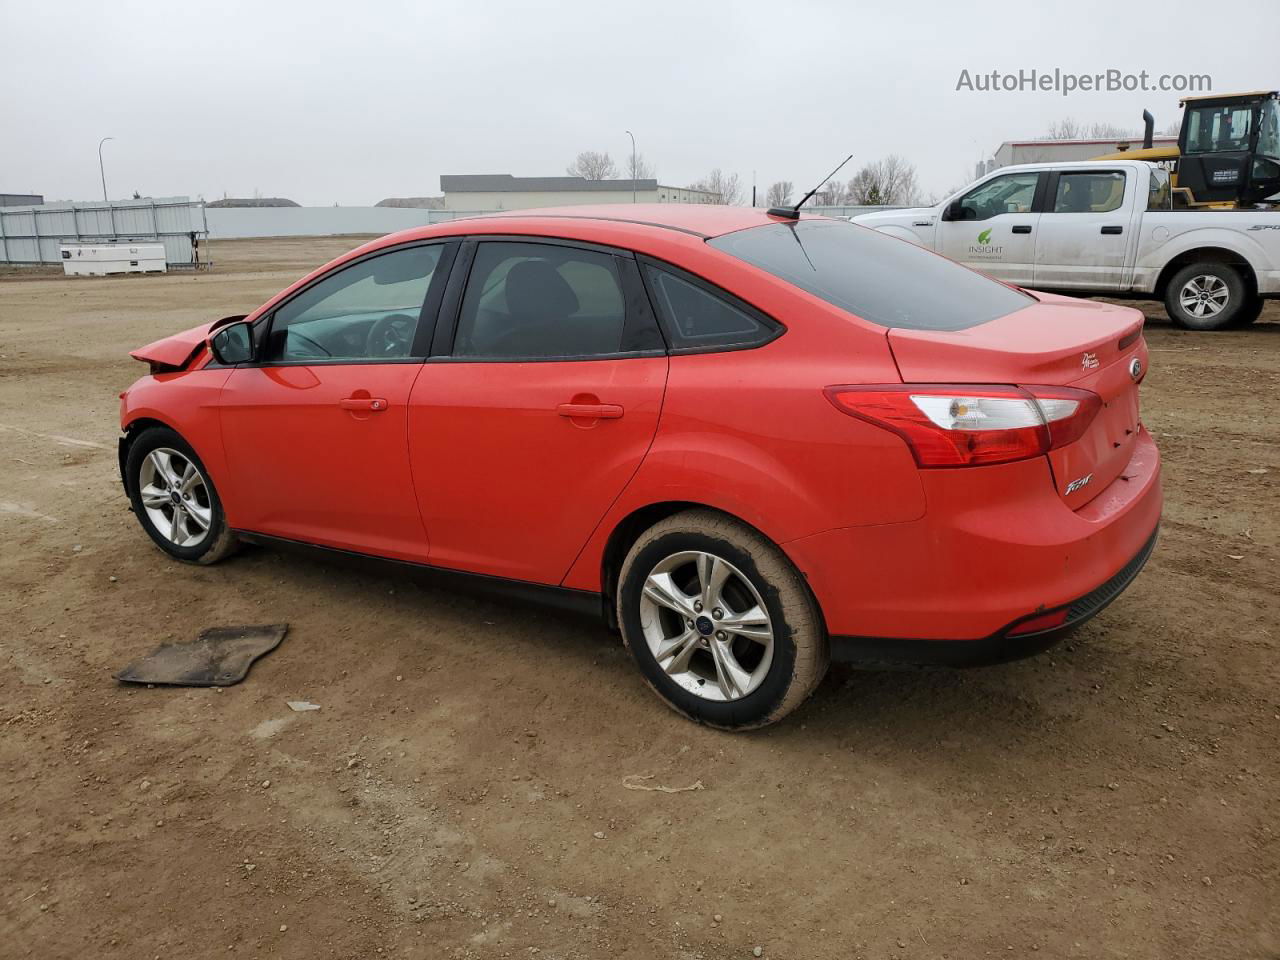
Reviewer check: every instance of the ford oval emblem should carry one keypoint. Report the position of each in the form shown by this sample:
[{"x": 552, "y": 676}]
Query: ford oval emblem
[{"x": 1135, "y": 369}]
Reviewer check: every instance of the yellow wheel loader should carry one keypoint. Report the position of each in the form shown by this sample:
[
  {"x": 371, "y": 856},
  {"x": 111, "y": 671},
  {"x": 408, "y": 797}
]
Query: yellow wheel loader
[{"x": 1228, "y": 152}]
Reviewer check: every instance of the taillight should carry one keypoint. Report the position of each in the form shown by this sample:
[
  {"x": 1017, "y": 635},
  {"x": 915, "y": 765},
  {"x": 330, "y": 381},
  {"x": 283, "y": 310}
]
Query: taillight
[{"x": 953, "y": 425}]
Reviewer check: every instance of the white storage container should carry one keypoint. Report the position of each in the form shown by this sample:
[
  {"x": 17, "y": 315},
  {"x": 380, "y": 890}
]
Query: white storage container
[{"x": 99, "y": 259}]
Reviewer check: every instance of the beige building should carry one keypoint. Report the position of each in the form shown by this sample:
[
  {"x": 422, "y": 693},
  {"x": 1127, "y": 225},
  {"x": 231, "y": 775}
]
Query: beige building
[
  {"x": 502, "y": 191},
  {"x": 1059, "y": 151}
]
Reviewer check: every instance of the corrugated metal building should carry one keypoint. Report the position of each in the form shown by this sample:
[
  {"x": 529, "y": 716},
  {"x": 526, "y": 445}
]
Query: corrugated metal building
[{"x": 34, "y": 233}]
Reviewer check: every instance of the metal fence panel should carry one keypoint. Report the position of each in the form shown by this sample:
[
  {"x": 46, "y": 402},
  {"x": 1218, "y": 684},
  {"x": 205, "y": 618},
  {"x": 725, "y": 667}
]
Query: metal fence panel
[{"x": 34, "y": 234}]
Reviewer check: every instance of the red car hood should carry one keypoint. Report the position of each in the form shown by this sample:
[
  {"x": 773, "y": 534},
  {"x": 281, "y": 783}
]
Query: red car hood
[{"x": 175, "y": 352}]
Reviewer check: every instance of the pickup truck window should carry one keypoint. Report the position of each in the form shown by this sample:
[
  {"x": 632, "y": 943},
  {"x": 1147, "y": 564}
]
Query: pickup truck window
[
  {"x": 1089, "y": 192},
  {"x": 1159, "y": 196},
  {"x": 1012, "y": 193},
  {"x": 883, "y": 280}
]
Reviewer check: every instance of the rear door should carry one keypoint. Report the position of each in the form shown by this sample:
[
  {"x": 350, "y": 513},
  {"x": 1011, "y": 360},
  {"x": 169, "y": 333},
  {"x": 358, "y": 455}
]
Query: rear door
[
  {"x": 315, "y": 432},
  {"x": 995, "y": 232},
  {"x": 539, "y": 404},
  {"x": 1085, "y": 230}
]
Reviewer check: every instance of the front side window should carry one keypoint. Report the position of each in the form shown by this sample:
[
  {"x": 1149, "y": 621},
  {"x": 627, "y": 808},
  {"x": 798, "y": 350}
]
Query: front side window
[
  {"x": 538, "y": 301},
  {"x": 367, "y": 311},
  {"x": 1012, "y": 193},
  {"x": 883, "y": 280},
  {"x": 1089, "y": 192}
]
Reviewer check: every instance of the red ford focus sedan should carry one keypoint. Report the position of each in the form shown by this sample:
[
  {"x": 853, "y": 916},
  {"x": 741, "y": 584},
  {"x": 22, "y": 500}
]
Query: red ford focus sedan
[{"x": 750, "y": 442}]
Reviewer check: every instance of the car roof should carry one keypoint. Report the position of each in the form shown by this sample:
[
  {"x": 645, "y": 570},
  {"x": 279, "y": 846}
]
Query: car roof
[
  {"x": 702, "y": 220},
  {"x": 1070, "y": 165}
]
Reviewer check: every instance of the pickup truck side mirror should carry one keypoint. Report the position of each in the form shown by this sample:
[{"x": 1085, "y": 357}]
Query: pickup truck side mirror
[
  {"x": 232, "y": 344},
  {"x": 954, "y": 211}
]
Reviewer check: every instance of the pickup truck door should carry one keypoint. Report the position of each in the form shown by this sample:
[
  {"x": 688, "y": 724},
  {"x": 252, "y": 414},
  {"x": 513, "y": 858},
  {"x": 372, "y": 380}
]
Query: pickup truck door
[
  {"x": 1085, "y": 230},
  {"x": 992, "y": 228}
]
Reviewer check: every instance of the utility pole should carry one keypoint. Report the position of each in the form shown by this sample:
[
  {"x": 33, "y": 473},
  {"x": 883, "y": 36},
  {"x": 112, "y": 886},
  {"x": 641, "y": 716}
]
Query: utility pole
[
  {"x": 101, "y": 171},
  {"x": 633, "y": 165}
]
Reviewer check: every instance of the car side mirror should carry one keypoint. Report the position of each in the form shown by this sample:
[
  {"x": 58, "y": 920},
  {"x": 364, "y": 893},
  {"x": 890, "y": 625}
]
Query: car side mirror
[
  {"x": 232, "y": 344},
  {"x": 954, "y": 211}
]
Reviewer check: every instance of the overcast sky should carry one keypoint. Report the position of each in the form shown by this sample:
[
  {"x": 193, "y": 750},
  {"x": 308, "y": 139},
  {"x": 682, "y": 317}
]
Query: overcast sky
[{"x": 352, "y": 102}]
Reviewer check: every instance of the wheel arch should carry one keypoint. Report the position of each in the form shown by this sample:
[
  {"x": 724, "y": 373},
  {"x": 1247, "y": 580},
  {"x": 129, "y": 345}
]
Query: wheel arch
[
  {"x": 1207, "y": 255},
  {"x": 629, "y": 529},
  {"x": 132, "y": 430}
]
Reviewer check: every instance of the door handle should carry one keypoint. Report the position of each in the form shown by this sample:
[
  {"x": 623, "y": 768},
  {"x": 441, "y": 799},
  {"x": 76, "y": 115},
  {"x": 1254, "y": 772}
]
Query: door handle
[
  {"x": 374, "y": 404},
  {"x": 1022, "y": 228},
  {"x": 590, "y": 411},
  {"x": 1112, "y": 231}
]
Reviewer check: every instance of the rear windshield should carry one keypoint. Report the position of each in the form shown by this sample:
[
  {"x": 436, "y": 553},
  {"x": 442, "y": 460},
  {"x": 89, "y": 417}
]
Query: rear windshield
[{"x": 878, "y": 278}]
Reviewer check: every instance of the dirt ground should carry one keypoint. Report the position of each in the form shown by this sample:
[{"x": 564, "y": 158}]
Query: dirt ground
[{"x": 460, "y": 792}]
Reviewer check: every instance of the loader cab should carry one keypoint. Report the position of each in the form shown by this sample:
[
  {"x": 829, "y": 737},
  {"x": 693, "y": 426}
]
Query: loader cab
[{"x": 1229, "y": 148}]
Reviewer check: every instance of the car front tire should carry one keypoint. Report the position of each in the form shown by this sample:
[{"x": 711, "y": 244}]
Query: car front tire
[
  {"x": 174, "y": 498},
  {"x": 722, "y": 626}
]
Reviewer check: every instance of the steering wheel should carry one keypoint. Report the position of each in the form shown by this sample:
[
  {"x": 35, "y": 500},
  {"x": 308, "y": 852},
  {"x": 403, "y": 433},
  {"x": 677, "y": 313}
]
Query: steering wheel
[{"x": 392, "y": 336}]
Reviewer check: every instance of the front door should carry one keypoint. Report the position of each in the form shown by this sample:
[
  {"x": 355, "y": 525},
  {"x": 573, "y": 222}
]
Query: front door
[
  {"x": 995, "y": 231},
  {"x": 315, "y": 431},
  {"x": 1084, "y": 231},
  {"x": 526, "y": 432}
]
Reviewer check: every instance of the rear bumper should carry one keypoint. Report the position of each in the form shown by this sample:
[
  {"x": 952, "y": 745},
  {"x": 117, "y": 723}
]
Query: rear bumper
[
  {"x": 1001, "y": 646},
  {"x": 997, "y": 545}
]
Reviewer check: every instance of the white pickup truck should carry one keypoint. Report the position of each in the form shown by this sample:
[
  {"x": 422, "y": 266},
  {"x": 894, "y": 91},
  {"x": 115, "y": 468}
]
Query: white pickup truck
[{"x": 1104, "y": 228}]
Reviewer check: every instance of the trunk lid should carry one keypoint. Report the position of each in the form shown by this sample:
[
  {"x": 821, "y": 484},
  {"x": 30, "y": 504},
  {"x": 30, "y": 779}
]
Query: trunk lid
[{"x": 1059, "y": 341}]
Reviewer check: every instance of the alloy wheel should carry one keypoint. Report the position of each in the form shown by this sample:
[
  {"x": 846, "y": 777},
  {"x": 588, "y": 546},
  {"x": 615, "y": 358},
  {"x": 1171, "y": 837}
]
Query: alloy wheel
[
  {"x": 175, "y": 496},
  {"x": 706, "y": 625},
  {"x": 1204, "y": 296}
]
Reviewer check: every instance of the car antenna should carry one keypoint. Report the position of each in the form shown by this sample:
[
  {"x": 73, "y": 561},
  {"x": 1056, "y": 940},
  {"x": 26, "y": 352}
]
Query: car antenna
[{"x": 793, "y": 213}]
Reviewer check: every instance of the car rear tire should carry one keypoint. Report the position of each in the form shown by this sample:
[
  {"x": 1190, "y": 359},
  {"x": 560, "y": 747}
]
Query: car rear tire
[
  {"x": 174, "y": 498},
  {"x": 723, "y": 627},
  {"x": 1206, "y": 296}
]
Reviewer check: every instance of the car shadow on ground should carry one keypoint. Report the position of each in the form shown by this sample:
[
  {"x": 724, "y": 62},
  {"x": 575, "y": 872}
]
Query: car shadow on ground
[{"x": 913, "y": 706}]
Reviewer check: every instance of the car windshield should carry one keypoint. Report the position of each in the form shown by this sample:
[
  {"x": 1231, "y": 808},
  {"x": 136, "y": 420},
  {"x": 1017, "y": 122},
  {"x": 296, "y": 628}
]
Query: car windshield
[{"x": 881, "y": 279}]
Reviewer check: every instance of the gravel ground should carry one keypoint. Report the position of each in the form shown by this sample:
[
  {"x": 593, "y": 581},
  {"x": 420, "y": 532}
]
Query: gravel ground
[{"x": 461, "y": 790}]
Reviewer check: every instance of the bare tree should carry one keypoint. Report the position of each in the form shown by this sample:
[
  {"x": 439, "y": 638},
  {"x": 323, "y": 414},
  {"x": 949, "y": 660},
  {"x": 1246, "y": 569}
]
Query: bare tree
[
  {"x": 1173, "y": 129},
  {"x": 889, "y": 181},
  {"x": 1071, "y": 129},
  {"x": 591, "y": 165},
  {"x": 831, "y": 194},
  {"x": 638, "y": 168},
  {"x": 779, "y": 194},
  {"x": 727, "y": 185}
]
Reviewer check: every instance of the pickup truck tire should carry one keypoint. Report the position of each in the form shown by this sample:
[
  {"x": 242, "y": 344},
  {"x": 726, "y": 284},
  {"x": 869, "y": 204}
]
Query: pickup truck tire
[
  {"x": 1250, "y": 313},
  {"x": 1206, "y": 296}
]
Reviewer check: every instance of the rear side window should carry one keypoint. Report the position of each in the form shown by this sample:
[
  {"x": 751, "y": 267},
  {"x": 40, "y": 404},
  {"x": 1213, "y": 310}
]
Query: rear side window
[
  {"x": 1089, "y": 192},
  {"x": 698, "y": 318},
  {"x": 883, "y": 280},
  {"x": 534, "y": 300}
]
